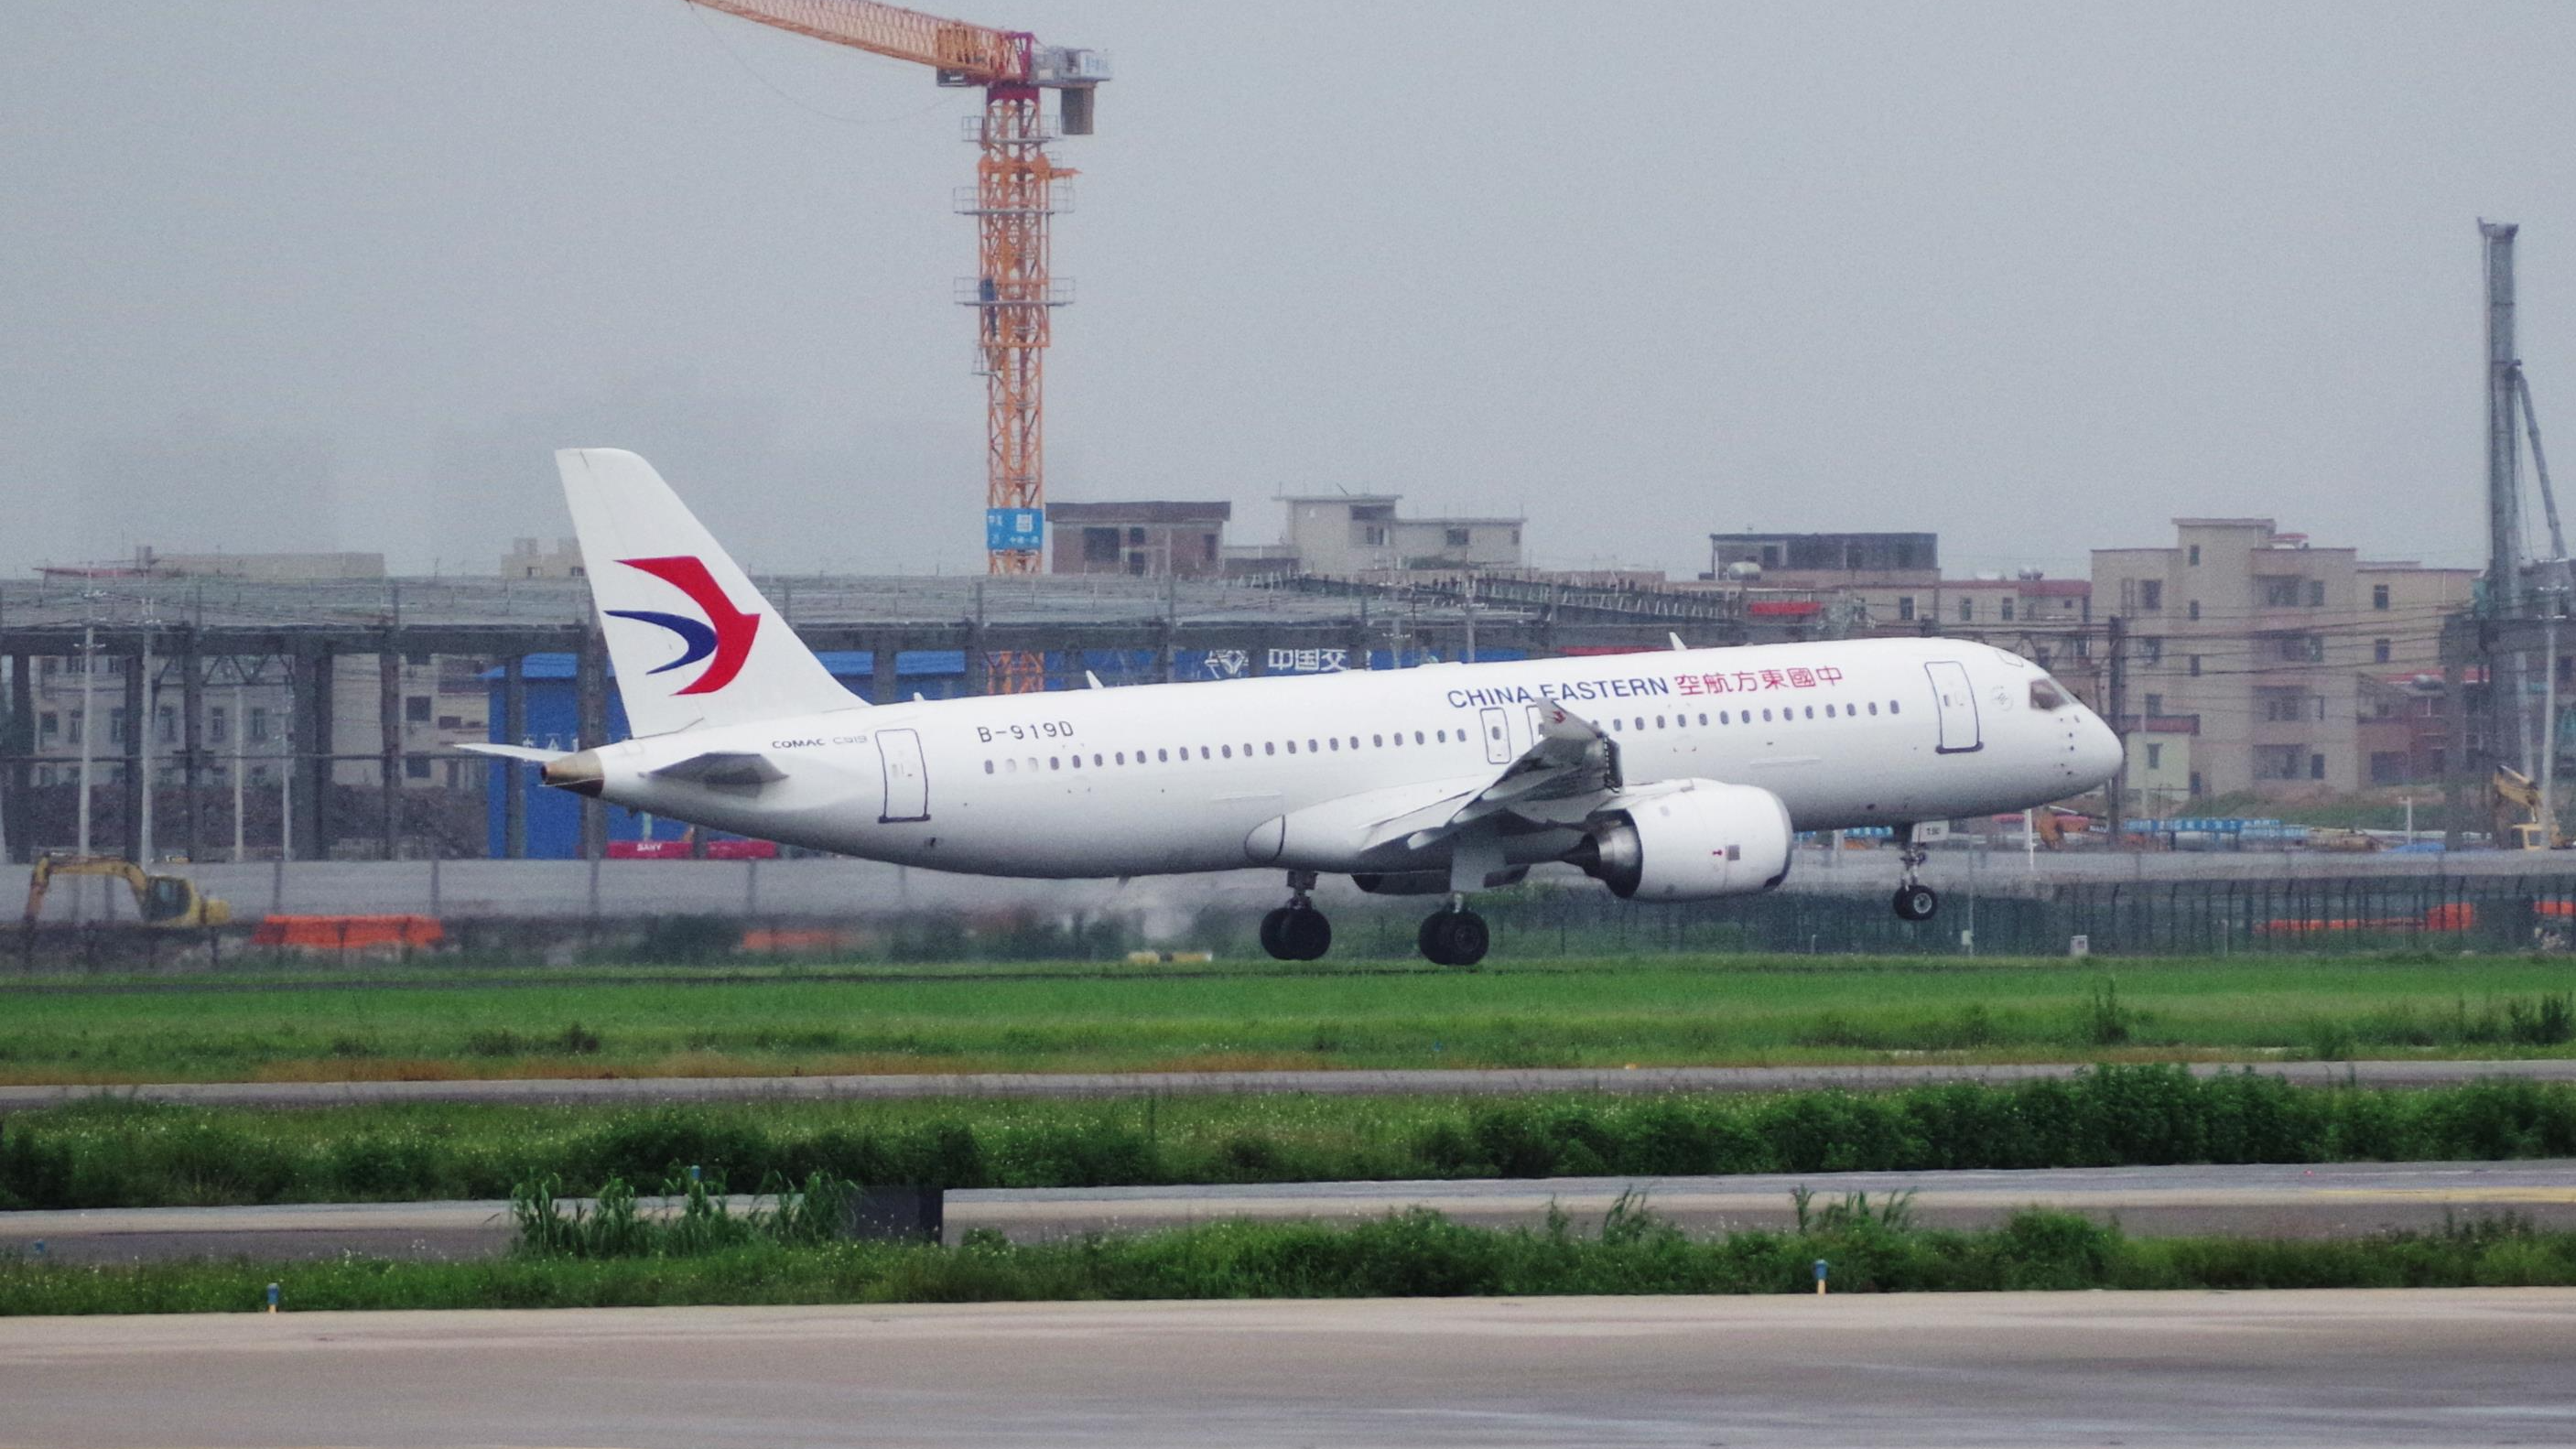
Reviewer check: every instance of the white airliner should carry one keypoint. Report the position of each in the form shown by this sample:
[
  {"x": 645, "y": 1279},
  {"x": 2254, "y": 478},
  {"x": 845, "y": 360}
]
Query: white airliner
[{"x": 1669, "y": 776}]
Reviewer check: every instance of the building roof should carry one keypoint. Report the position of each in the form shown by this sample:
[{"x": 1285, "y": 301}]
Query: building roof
[{"x": 1142, "y": 511}]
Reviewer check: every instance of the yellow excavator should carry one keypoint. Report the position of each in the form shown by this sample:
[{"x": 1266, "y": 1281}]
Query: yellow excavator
[
  {"x": 2516, "y": 804},
  {"x": 168, "y": 901}
]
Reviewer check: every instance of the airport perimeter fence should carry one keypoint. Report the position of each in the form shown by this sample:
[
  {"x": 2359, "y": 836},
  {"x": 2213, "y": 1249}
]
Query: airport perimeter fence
[{"x": 2447, "y": 915}]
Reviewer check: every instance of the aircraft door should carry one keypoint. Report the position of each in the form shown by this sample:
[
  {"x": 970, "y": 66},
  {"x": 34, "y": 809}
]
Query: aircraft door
[
  {"x": 1957, "y": 703},
  {"x": 1498, "y": 737},
  {"x": 907, "y": 779}
]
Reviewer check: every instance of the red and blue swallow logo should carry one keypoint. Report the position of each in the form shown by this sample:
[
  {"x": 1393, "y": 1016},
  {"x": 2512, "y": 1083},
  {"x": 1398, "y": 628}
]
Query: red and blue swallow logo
[{"x": 724, "y": 639}]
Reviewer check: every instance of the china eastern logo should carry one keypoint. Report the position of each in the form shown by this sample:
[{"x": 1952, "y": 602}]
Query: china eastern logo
[{"x": 723, "y": 639}]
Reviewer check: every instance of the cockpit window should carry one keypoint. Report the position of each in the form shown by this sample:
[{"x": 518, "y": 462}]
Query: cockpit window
[{"x": 2046, "y": 695}]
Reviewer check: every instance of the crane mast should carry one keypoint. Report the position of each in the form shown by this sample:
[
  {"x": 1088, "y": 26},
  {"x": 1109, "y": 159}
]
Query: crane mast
[{"x": 1016, "y": 191}]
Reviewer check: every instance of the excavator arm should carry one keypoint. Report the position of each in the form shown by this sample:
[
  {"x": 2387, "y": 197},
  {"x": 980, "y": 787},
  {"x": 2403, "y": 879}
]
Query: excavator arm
[{"x": 159, "y": 900}]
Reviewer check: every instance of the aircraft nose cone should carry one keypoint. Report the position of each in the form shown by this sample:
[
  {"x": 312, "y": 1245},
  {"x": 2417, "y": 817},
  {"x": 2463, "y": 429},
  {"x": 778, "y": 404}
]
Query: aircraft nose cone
[{"x": 2097, "y": 751}]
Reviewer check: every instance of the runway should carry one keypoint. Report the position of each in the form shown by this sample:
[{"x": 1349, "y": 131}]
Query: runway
[
  {"x": 2421, "y": 1367},
  {"x": 546, "y": 1091},
  {"x": 2328, "y": 1200}
]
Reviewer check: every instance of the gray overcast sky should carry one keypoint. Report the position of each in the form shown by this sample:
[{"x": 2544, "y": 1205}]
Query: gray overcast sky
[{"x": 305, "y": 273}]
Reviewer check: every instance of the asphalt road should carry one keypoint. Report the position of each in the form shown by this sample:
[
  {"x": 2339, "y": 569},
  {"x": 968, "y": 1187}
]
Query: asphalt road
[
  {"x": 2333, "y": 1200},
  {"x": 2424, "y": 1367},
  {"x": 552, "y": 1090}
]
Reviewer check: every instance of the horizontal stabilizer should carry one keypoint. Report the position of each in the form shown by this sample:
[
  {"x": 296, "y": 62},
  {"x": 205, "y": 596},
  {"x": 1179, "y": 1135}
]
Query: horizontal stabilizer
[
  {"x": 723, "y": 767},
  {"x": 524, "y": 753}
]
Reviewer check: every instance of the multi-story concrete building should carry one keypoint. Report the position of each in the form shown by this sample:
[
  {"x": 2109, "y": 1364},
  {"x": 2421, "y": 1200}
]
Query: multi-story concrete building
[
  {"x": 1154, "y": 539},
  {"x": 1348, "y": 534},
  {"x": 526, "y": 560},
  {"x": 2272, "y": 666}
]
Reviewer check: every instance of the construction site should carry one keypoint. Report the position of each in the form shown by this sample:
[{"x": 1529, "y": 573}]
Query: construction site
[{"x": 199, "y": 707}]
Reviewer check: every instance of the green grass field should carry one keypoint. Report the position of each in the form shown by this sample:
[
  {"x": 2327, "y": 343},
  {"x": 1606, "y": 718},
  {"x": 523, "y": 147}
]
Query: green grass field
[
  {"x": 1716, "y": 1010},
  {"x": 1416, "y": 1254},
  {"x": 115, "y": 1153}
]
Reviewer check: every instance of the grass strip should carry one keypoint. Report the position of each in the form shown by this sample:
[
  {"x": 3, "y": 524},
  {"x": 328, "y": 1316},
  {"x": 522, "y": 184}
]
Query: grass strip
[
  {"x": 1599, "y": 1012},
  {"x": 126, "y": 1154},
  {"x": 1411, "y": 1254}
]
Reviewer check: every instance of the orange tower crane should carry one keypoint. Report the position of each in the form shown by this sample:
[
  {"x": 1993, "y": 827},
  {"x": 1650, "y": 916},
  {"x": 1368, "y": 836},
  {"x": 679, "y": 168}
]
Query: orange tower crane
[{"x": 1016, "y": 190}]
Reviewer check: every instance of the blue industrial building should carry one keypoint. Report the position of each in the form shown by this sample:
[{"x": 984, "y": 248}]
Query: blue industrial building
[{"x": 554, "y": 716}]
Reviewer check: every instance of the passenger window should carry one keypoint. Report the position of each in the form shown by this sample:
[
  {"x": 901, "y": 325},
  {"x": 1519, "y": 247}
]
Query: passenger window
[
  {"x": 1703, "y": 719},
  {"x": 1122, "y": 757},
  {"x": 1011, "y": 765},
  {"x": 1163, "y": 755},
  {"x": 1355, "y": 742},
  {"x": 1206, "y": 754},
  {"x": 1310, "y": 747},
  {"x": 1033, "y": 764},
  {"x": 1077, "y": 761},
  {"x": 1873, "y": 706},
  {"x": 988, "y": 767},
  {"x": 1891, "y": 706},
  {"x": 1270, "y": 747},
  {"x": 1614, "y": 724},
  {"x": 1055, "y": 762},
  {"x": 1337, "y": 744},
  {"x": 1292, "y": 747},
  {"x": 1378, "y": 740},
  {"x": 1722, "y": 717},
  {"x": 1811, "y": 711},
  {"x": 1829, "y": 711},
  {"x": 1766, "y": 716},
  {"x": 1417, "y": 737},
  {"x": 1095, "y": 762},
  {"x": 1229, "y": 751}
]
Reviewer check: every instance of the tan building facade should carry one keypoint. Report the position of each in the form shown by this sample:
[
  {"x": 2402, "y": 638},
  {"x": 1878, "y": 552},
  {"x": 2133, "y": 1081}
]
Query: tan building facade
[{"x": 2276, "y": 656}]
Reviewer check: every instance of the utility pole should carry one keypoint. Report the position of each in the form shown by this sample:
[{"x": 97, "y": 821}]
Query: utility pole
[
  {"x": 2117, "y": 696},
  {"x": 151, "y": 712},
  {"x": 2507, "y": 667}
]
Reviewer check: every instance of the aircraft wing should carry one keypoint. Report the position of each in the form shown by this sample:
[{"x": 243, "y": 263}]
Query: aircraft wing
[{"x": 1556, "y": 781}]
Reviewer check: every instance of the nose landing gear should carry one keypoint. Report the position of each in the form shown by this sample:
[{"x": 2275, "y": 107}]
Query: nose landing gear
[
  {"x": 1297, "y": 931},
  {"x": 1453, "y": 935},
  {"x": 1915, "y": 901}
]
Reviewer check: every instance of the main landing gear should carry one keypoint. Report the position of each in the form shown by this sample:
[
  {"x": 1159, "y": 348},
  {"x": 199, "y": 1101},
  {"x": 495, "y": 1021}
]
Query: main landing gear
[
  {"x": 1453, "y": 935},
  {"x": 1915, "y": 901},
  {"x": 1297, "y": 931}
]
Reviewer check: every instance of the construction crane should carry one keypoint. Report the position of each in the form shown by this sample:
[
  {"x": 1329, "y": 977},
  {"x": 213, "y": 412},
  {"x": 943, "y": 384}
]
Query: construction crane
[{"x": 1015, "y": 192}]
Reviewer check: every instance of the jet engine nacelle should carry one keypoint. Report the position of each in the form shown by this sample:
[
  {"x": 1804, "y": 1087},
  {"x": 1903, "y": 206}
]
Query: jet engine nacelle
[{"x": 1691, "y": 843}]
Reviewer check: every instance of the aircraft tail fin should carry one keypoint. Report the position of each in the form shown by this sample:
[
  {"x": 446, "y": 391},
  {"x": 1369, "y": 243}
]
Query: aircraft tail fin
[{"x": 693, "y": 643}]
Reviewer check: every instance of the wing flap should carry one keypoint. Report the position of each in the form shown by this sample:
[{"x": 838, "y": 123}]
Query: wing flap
[{"x": 1555, "y": 781}]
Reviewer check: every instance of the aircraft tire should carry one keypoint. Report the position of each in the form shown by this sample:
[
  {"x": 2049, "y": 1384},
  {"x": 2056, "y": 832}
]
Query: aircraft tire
[
  {"x": 1917, "y": 903},
  {"x": 1273, "y": 934},
  {"x": 1452, "y": 938},
  {"x": 1304, "y": 935},
  {"x": 1468, "y": 938}
]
